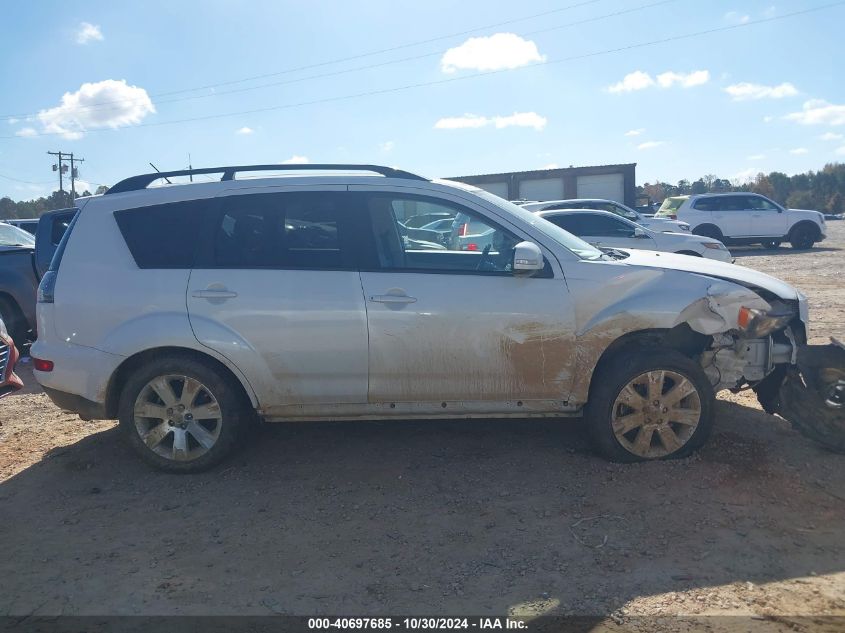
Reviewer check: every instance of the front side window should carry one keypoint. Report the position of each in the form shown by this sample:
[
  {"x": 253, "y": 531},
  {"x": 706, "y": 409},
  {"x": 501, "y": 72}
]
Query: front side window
[
  {"x": 761, "y": 204},
  {"x": 283, "y": 230},
  {"x": 467, "y": 243}
]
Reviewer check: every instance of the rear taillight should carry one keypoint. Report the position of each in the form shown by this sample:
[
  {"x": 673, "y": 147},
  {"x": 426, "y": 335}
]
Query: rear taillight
[
  {"x": 472, "y": 247},
  {"x": 47, "y": 287},
  {"x": 40, "y": 364}
]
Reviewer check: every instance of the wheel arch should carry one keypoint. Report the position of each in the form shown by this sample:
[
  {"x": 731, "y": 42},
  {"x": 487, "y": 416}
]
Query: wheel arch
[
  {"x": 124, "y": 370},
  {"x": 681, "y": 338},
  {"x": 805, "y": 224},
  {"x": 709, "y": 227}
]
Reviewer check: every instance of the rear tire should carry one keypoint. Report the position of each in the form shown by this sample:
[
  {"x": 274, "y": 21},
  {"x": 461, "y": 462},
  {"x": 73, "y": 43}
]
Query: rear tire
[
  {"x": 770, "y": 244},
  {"x": 194, "y": 414},
  {"x": 624, "y": 423},
  {"x": 803, "y": 236}
]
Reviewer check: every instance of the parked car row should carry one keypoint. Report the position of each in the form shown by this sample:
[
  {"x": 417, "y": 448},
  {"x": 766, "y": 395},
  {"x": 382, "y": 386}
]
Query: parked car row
[
  {"x": 308, "y": 298},
  {"x": 611, "y": 206}
]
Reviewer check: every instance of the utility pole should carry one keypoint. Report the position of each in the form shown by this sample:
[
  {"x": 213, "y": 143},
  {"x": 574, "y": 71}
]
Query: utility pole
[
  {"x": 59, "y": 168},
  {"x": 74, "y": 175},
  {"x": 62, "y": 168}
]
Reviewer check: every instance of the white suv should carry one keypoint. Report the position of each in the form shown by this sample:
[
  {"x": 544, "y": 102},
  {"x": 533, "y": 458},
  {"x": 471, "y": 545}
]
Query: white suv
[
  {"x": 188, "y": 311},
  {"x": 746, "y": 218}
]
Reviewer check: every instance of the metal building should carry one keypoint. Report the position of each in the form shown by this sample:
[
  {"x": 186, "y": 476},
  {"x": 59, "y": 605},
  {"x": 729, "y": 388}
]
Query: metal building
[{"x": 612, "y": 182}]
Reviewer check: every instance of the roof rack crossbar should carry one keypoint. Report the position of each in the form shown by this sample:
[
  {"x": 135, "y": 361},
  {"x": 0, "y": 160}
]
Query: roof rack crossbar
[{"x": 142, "y": 181}]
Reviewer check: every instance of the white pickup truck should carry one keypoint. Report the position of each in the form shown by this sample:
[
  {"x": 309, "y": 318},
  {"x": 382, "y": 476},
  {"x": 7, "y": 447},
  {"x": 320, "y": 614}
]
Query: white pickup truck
[{"x": 745, "y": 218}]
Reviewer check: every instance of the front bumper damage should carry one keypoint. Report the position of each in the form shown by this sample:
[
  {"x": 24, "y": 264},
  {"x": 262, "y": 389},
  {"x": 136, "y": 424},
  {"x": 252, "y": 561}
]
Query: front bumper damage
[
  {"x": 810, "y": 393},
  {"x": 804, "y": 384}
]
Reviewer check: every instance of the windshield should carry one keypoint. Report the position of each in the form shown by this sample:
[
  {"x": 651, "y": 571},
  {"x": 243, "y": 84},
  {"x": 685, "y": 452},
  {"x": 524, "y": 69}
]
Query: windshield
[
  {"x": 669, "y": 206},
  {"x": 578, "y": 246},
  {"x": 13, "y": 236}
]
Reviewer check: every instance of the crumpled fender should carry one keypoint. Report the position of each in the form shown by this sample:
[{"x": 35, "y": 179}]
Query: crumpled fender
[{"x": 652, "y": 299}]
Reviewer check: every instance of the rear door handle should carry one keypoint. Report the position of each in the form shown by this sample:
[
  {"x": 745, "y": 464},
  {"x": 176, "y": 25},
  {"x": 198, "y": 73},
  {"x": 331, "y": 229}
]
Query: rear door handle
[
  {"x": 214, "y": 294},
  {"x": 393, "y": 299}
]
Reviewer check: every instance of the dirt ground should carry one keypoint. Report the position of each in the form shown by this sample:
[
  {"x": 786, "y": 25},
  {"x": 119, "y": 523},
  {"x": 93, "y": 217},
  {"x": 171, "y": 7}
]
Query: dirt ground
[{"x": 482, "y": 517}]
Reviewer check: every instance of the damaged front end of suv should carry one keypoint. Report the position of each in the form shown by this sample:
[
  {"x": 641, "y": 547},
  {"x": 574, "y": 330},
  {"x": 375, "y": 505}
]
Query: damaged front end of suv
[{"x": 767, "y": 351}]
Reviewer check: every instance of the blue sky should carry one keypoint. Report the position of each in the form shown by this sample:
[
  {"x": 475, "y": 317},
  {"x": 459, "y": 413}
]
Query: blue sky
[{"x": 757, "y": 98}]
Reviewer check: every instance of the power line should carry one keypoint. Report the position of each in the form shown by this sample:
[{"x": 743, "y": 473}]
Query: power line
[
  {"x": 340, "y": 59},
  {"x": 379, "y": 65},
  {"x": 629, "y": 47},
  {"x": 26, "y": 182}
]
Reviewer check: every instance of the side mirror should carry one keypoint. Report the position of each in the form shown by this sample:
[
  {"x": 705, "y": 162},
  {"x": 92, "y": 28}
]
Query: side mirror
[
  {"x": 640, "y": 233},
  {"x": 527, "y": 257}
]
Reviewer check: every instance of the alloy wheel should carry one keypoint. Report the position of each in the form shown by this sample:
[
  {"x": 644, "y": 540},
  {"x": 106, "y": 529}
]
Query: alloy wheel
[
  {"x": 656, "y": 413},
  {"x": 177, "y": 417}
]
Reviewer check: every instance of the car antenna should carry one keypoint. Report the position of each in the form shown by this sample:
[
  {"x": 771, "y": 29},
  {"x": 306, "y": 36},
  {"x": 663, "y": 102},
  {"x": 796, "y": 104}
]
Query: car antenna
[{"x": 159, "y": 171}]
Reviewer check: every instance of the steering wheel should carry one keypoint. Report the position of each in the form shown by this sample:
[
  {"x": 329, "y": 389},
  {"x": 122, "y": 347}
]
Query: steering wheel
[{"x": 485, "y": 258}]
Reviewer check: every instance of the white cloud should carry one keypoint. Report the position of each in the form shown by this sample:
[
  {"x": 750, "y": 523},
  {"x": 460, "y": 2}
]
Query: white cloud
[
  {"x": 387, "y": 146},
  {"x": 12, "y": 120},
  {"x": 245, "y": 130},
  {"x": 756, "y": 157},
  {"x": 551, "y": 166},
  {"x": 650, "y": 144},
  {"x": 637, "y": 80},
  {"x": 685, "y": 80},
  {"x": 799, "y": 150},
  {"x": 27, "y": 132},
  {"x": 768, "y": 119},
  {"x": 517, "y": 119},
  {"x": 496, "y": 52},
  {"x": 819, "y": 112},
  {"x": 108, "y": 103},
  {"x": 746, "y": 91},
  {"x": 636, "y": 132},
  {"x": 830, "y": 136},
  {"x": 88, "y": 32},
  {"x": 747, "y": 174},
  {"x": 640, "y": 80},
  {"x": 296, "y": 160},
  {"x": 737, "y": 18}
]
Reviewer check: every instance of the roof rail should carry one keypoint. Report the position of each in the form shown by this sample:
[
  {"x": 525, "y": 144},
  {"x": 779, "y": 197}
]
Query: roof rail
[{"x": 135, "y": 183}]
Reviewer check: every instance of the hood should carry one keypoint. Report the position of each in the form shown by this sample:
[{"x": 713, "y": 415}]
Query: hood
[
  {"x": 712, "y": 268},
  {"x": 807, "y": 212}
]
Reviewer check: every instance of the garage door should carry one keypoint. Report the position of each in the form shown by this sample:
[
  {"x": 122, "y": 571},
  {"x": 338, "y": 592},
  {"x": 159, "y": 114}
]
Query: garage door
[
  {"x": 606, "y": 186},
  {"x": 496, "y": 188},
  {"x": 541, "y": 189}
]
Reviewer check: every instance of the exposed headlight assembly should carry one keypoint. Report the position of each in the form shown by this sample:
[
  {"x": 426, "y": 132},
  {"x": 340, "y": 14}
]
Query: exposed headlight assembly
[{"x": 756, "y": 323}]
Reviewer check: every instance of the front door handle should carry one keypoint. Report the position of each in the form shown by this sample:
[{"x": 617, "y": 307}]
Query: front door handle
[
  {"x": 214, "y": 294},
  {"x": 393, "y": 299}
]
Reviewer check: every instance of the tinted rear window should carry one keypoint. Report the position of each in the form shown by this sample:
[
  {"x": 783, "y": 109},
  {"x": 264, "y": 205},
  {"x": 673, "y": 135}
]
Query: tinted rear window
[{"x": 163, "y": 235}]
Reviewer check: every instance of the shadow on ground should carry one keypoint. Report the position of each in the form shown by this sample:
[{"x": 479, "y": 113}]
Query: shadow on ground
[
  {"x": 416, "y": 517},
  {"x": 756, "y": 251}
]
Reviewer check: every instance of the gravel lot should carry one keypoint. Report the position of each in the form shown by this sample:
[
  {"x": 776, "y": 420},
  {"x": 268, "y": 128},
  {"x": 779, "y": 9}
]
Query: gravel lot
[{"x": 433, "y": 517}]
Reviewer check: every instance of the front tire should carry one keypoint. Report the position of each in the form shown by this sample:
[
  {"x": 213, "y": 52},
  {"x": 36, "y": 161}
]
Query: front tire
[
  {"x": 803, "y": 237},
  {"x": 181, "y": 415},
  {"x": 650, "y": 405}
]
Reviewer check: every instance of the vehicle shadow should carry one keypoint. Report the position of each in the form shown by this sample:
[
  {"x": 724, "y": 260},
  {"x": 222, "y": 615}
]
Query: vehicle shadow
[
  {"x": 426, "y": 517},
  {"x": 757, "y": 251}
]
